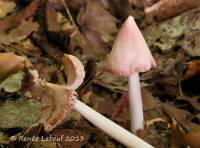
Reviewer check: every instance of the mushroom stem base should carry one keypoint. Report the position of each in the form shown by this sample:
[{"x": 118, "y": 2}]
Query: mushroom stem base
[{"x": 135, "y": 102}]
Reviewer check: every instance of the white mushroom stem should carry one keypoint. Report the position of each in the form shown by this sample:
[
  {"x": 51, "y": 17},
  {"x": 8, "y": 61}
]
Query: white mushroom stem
[
  {"x": 109, "y": 127},
  {"x": 135, "y": 102},
  {"x": 75, "y": 72}
]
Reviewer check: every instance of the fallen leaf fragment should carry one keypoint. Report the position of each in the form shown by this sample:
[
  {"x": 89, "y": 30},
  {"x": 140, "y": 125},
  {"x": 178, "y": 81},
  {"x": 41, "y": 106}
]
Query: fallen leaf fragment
[
  {"x": 180, "y": 137},
  {"x": 52, "y": 51},
  {"x": 152, "y": 121},
  {"x": 24, "y": 47},
  {"x": 120, "y": 105},
  {"x": 66, "y": 26},
  {"x": 122, "y": 9},
  {"x": 13, "y": 83},
  {"x": 29, "y": 12},
  {"x": 19, "y": 33},
  {"x": 19, "y": 25},
  {"x": 6, "y": 7},
  {"x": 181, "y": 116},
  {"x": 3, "y": 138},
  {"x": 193, "y": 68},
  {"x": 191, "y": 42},
  {"x": 42, "y": 143},
  {"x": 20, "y": 113},
  {"x": 13, "y": 64},
  {"x": 92, "y": 19},
  {"x": 51, "y": 18},
  {"x": 57, "y": 23},
  {"x": 192, "y": 139},
  {"x": 137, "y": 3}
]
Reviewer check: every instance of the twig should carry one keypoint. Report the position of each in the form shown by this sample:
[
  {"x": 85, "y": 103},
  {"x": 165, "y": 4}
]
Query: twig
[
  {"x": 69, "y": 15},
  {"x": 168, "y": 8},
  {"x": 79, "y": 39}
]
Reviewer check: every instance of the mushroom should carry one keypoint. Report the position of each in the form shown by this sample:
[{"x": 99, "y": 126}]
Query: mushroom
[
  {"x": 129, "y": 56},
  {"x": 74, "y": 70},
  {"x": 65, "y": 99}
]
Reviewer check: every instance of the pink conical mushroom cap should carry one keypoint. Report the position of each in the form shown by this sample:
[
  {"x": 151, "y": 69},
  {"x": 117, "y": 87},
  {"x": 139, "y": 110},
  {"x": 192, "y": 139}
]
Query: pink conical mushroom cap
[{"x": 130, "y": 52}]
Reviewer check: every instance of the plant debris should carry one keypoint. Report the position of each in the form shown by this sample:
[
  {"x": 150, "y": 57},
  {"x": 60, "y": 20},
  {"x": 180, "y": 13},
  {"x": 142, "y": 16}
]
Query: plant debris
[{"x": 39, "y": 44}]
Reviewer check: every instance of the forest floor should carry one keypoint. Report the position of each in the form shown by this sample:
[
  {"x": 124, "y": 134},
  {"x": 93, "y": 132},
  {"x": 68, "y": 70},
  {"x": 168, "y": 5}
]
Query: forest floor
[{"x": 44, "y": 30}]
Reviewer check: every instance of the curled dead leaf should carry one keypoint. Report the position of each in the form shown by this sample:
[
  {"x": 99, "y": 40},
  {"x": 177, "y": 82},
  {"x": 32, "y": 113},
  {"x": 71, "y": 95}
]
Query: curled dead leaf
[
  {"x": 6, "y": 7},
  {"x": 11, "y": 63},
  {"x": 74, "y": 70}
]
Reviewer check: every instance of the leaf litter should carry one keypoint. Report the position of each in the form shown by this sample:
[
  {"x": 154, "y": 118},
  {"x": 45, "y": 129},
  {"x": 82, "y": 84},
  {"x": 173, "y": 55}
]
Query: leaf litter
[{"x": 39, "y": 33}]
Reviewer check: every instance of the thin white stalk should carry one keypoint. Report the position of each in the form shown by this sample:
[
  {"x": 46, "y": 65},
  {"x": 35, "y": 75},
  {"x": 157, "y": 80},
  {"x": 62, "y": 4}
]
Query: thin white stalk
[
  {"x": 109, "y": 127},
  {"x": 135, "y": 102}
]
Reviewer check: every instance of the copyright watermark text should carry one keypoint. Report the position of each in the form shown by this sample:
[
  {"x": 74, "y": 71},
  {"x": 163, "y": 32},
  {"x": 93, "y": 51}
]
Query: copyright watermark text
[{"x": 49, "y": 138}]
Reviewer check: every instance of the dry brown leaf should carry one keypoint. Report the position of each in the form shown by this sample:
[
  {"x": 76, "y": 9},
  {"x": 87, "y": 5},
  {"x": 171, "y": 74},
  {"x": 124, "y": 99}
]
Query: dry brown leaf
[
  {"x": 193, "y": 68},
  {"x": 181, "y": 116},
  {"x": 192, "y": 139},
  {"x": 149, "y": 102},
  {"x": 180, "y": 137},
  {"x": 29, "y": 12},
  {"x": 56, "y": 22},
  {"x": 119, "y": 106},
  {"x": 19, "y": 25},
  {"x": 21, "y": 32},
  {"x": 42, "y": 42},
  {"x": 11, "y": 63},
  {"x": 51, "y": 18},
  {"x": 137, "y": 3},
  {"x": 66, "y": 26},
  {"x": 75, "y": 4},
  {"x": 24, "y": 47},
  {"x": 151, "y": 105},
  {"x": 92, "y": 19},
  {"x": 6, "y": 7},
  {"x": 121, "y": 8}
]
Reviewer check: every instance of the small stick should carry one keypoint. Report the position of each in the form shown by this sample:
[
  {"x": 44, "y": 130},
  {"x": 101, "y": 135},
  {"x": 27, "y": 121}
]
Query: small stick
[{"x": 168, "y": 8}]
